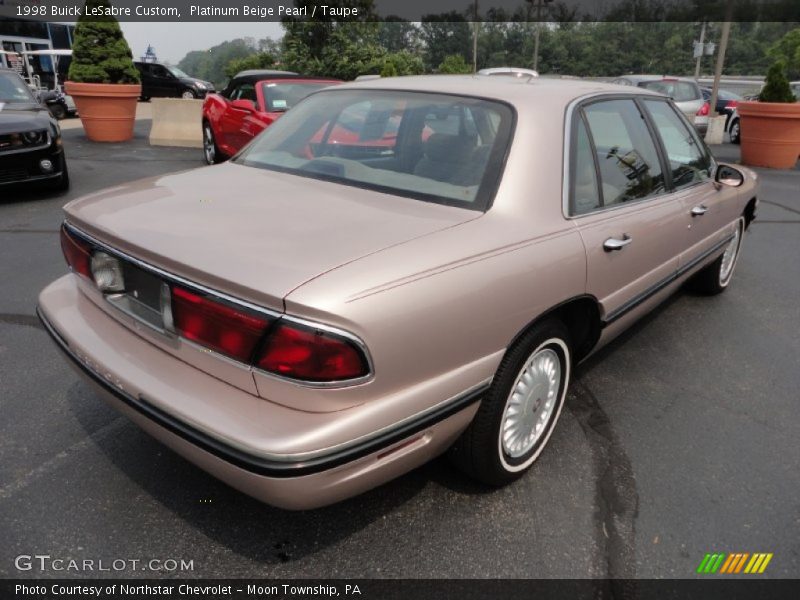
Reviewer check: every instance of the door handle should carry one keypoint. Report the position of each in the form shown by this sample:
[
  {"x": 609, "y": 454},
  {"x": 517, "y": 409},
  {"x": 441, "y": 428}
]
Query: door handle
[
  {"x": 612, "y": 244},
  {"x": 699, "y": 210}
]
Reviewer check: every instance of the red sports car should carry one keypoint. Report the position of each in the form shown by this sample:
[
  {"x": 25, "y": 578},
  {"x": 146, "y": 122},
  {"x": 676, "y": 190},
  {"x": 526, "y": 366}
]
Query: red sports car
[{"x": 250, "y": 102}]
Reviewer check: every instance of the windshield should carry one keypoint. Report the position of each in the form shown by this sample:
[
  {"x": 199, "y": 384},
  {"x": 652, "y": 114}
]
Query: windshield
[
  {"x": 283, "y": 96},
  {"x": 13, "y": 89},
  {"x": 178, "y": 73},
  {"x": 438, "y": 148}
]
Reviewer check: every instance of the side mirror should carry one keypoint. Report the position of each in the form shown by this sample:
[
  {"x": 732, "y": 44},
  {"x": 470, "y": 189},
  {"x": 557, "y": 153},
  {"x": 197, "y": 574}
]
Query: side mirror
[
  {"x": 727, "y": 175},
  {"x": 245, "y": 105}
]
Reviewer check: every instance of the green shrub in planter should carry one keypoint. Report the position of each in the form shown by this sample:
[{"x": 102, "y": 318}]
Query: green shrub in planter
[
  {"x": 776, "y": 87},
  {"x": 100, "y": 53}
]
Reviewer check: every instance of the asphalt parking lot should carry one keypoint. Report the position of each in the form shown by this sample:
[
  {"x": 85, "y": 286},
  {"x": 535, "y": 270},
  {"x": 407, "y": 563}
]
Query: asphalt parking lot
[{"x": 680, "y": 438}]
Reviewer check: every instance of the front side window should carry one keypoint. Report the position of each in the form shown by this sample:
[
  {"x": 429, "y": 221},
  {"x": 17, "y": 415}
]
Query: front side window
[
  {"x": 434, "y": 147},
  {"x": 245, "y": 91},
  {"x": 688, "y": 161},
  {"x": 627, "y": 158}
]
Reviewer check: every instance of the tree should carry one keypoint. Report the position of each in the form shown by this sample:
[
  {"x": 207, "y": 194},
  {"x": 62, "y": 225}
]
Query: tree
[
  {"x": 444, "y": 35},
  {"x": 212, "y": 63},
  {"x": 262, "y": 60},
  {"x": 396, "y": 35},
  {"x": 776, "y": 87},
  {"x": 100, "y": 53},
  {"x": 454, "y": 64},
  {"x": 787, "y": 49}
]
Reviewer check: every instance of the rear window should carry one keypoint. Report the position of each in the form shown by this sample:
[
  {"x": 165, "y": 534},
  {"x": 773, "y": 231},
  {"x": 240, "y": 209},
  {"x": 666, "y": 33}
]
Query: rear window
[
  {"x": 280, "y": 97},
  {"x": 433, "y": 147},
  {"x": 679, "y": 91}
]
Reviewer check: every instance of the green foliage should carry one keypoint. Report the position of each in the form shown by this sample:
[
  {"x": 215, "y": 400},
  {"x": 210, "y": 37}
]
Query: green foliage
[
  {"x": 454, "y": 64},
  {"x": 444, "y": 35},
  {"x": 100, "y": 53},
  {"x": 211, "y": 64},
  {"x": 787, "y": 49},
  {"x": 262, "y": 60},
  {"x": 776, "y": 88},
  {"x": 388, "y": 70}
]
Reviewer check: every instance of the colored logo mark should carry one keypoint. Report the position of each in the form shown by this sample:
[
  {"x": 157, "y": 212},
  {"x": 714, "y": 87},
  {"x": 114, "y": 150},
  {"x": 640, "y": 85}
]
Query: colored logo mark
[{"x": 738, "y": 562}]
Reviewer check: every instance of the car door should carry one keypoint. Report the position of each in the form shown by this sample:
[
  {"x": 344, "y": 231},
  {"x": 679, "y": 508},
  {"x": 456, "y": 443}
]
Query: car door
[
  {"x": 235, "y": 121},
  {"x": 708, "y": 209},
  {"x": 163, "y": 82},
  {"x": 630, "y": 224}
]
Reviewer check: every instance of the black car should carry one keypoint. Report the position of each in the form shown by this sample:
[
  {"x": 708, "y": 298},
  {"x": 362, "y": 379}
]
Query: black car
[
  {"x": 30, "y": 138},
  {"x": 162, "y": 81}
]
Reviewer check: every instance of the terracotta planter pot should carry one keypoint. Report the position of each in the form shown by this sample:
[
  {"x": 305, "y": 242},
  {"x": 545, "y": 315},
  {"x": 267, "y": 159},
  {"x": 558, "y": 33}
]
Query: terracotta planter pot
[
  {"x": 107, "y": 111},
  {"x": 770, "y": 134}
]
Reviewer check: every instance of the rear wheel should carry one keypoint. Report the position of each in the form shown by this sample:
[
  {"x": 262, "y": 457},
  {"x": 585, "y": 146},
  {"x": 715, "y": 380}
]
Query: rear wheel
[
  {"x": 521, "y": 408},
  {"x": 188, "y": 95},
  {"x": 714, "y": 278},
  {"x": 735, "y": 132},
  {"x": 57, "y": 110}
]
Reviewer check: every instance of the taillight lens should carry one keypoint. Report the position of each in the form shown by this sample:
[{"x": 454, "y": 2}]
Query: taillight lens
[
  {"x": 731, "y": 104},
  {"x": 218, "y": 326},
  {"x": 311, "y": 355},
  {"x": 703, "y": 112},
  {"x": 77, "y": 253}
]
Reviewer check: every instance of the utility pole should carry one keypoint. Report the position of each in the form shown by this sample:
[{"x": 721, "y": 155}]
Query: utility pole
[
  {"x": 475, "y": 25},
  {"x": 539, "y": 5},
  {"x": 723, "y": 47},
  {"x": 700, "y": 57}
]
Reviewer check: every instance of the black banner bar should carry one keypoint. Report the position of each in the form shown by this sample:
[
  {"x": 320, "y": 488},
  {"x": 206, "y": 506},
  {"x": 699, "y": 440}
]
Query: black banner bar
[
  {"x": 412, "y": 10},
  {"x": 710, "y": 588}
]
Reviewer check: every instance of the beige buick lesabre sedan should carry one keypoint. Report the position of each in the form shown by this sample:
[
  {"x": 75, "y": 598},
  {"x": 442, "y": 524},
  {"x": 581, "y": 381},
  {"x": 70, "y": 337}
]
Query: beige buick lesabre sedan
[{"x": 395, "y": 268}]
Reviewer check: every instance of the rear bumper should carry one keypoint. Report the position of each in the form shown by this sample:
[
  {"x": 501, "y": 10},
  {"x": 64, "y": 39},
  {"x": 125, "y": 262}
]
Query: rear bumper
[{"x": 118, "y": 369}]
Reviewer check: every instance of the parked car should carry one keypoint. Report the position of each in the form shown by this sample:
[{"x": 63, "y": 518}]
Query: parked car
[
  {"x": 308, "y": 326},
  {"x": 795, "y": 85},
  {"x": 251, "y": 101},
  {"x": 726, "y": 103},
  {"x": 30, "y": 138},
  {"x": 684, "y": 92},
  {"x": 164, "y": 81},
  {"x": 733, "y": 128}
]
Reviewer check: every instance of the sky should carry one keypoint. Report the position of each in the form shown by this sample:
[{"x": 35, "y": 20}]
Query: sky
[{"x": 173, "y": 40}]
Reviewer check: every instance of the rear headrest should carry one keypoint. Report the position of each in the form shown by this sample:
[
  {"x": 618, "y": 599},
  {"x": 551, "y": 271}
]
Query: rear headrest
[{"x": 443, "y": 147}]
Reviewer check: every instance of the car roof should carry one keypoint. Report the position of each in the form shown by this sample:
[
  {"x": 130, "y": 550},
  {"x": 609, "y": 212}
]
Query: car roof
[{"x": 513, "y": 90}]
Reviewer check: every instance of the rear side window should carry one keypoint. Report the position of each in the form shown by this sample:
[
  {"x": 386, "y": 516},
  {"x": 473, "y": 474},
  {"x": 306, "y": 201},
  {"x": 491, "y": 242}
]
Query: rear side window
[
  {"x": 688, "y": 159},
  {"x": 626, "y": 156}
]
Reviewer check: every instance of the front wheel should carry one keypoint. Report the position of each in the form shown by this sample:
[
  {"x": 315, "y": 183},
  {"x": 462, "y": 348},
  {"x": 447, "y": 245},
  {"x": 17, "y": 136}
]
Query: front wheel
[
  {"x": 57, "y": 111},
  {"x": 735, "y": 132},
  {"x": 714, "y": 278},
  {"x": 521, "y": 408}
]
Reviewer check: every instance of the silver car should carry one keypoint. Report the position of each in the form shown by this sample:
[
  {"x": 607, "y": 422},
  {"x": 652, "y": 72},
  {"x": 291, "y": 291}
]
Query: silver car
[{"x": 685, "y": 93}]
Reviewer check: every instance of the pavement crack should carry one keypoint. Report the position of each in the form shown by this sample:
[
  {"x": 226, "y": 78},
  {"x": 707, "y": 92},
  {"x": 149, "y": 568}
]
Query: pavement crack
[
  {"x": 783, "y": 206},
  {"x": 20, "y": 319},
  {"x": 616, "y": 497}
]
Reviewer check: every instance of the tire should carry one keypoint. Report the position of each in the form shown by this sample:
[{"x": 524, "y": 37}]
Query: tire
[
  {"x": 735, "y": 132},
  {"x": 144, "y": 98},
  {"x": 211, "y": 153},
  {"x": 489, "y": 450},
  {"x": 188, "y": 95},
  {"x": 715, "y": 278}
]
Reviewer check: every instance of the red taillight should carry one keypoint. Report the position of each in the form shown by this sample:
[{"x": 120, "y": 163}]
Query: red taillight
[
  {"x": 731, "y": 104},
  {"x": 77, "y": 253},
  {"x": 218, "y": 326},
  {"x": 311, "y": 355},
  {"x": 703, "y": 112}
]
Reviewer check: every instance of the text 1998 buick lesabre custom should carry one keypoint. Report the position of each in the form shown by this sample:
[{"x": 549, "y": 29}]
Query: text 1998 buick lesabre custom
[{"x": 394, "y": 268}]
